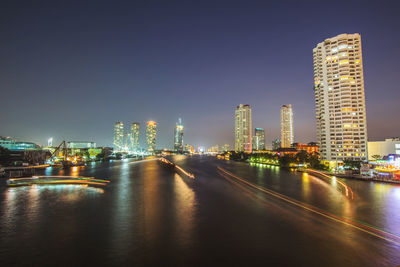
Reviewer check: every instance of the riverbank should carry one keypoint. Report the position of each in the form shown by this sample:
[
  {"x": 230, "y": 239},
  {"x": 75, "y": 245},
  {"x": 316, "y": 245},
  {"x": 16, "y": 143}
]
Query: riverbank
[{"x": 350, "y": 177}]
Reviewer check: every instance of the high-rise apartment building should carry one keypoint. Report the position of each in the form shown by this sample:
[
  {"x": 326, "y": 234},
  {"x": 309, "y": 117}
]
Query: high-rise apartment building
[
  {"x": 243, "y": 129},
  {"x": 118, "y": 136},
  {"x": 178, "y": 137},
  {"x": 135, "y": 134},
  {"x": 151, "y": 132},
  {"x": 340, "y": 99},
  {"x": 287, "y": 138},
  {"x": 259, "y": 139}
]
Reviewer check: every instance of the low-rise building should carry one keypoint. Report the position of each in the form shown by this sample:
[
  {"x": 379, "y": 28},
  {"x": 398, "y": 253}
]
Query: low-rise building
[
  {"x": 379, "y": 149},
  {"x": 311, "y": 148}
]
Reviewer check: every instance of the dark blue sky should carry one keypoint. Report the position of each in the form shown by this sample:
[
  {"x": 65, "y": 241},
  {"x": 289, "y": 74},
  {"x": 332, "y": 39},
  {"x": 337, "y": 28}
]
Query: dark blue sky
[{"x": 70, "y": 70}]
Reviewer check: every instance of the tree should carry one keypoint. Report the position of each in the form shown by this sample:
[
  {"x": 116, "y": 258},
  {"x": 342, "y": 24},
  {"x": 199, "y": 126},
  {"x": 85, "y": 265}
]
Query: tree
[
  {"x": 349, "y": 164},
  {"x": 302, "y": 156},
  {"x": 377, "y": 157},
  {"x": 286, "y": 160}
]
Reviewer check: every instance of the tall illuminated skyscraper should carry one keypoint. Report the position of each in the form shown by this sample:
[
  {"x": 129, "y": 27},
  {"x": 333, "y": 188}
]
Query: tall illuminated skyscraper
[
  {"x": 118, "y": 136},
  {"x": 287, "y": 138},
  {"x": 243, "y": 130},
  {"x": 135, "y": 134},
  {"x": 178, "y": 137},
  {"x": 340, "y": 98},
  {"x": 259, "y": 139},
  {"x": 151, "y": 132}
]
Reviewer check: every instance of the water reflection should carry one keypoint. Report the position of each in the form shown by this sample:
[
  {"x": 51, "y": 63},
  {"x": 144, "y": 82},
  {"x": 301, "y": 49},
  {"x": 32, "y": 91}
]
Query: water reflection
[{"x": 185, "y": 205}]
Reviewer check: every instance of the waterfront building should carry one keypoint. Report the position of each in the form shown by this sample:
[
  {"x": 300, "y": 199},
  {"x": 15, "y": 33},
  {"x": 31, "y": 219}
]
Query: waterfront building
[
  {"x": 340, "y": 98},
  {"x": 189, "y": 149},
  {"x": 379, "y": 149},
  {"x": 259, "y": 139},
  {"x": 118, "y": 136},
  {"x": 311, "y": 148},
  {"x": 178, "y": 137},
  {"x": 287, "y": 138},
  {"x": 81, "y": 144},
  {"x": 243, "y": 129},
  {"x": 151, "y": 133},
  {"x": 135, "y": 135},
  {"x": 276, "y": 144},
  {"x": 13, "y": 145}
]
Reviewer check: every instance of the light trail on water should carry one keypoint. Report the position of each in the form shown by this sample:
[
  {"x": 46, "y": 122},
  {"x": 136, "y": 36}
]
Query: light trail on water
[{"x": 374, "y": 231}]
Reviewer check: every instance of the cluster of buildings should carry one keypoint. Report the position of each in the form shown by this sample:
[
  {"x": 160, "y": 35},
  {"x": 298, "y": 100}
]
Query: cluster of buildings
[
  {"x": 339, "y": 109},
  {"x": 129, "y": 142},
  {"x": 246, "y": 141}
]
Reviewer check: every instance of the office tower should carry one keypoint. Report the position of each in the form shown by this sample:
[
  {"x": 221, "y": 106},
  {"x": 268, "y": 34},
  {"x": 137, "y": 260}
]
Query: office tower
[
  {"x": 259, "y": 139},
  {"x": 340, "y": 99},
  {"x": 276, "y": 144},
  {"x": 118, "y": 136},
  {"x": 135, "y": 134},
  {"x": 286, "y": 126},
  {"x": 243, "y": 128},
  {"x": 178, "y": 137},
  {"x": 151, "y": 136}
]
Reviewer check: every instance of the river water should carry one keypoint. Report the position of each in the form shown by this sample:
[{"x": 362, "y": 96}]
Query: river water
[{"x": 151, "y": 215}]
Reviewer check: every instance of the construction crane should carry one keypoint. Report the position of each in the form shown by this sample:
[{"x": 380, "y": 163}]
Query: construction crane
[{"x": 65, "y": 162}]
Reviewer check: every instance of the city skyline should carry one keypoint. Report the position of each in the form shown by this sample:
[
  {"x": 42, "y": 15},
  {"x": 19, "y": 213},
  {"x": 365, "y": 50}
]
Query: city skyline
[{"x": 234, "y": 70}]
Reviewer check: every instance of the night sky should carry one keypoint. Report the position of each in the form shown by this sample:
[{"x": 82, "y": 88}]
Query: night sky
[{"x": 69, "y": 69}]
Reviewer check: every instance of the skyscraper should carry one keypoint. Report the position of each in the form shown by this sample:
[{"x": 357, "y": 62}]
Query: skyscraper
[
  {"x": 259, "y": 139},
  {"x": 243, "y": 128},
  {"x": 178, "y": 137},
  {"x": 151, "y": 131},
  {"x": 340, "y": 99},
  {"x": 135, "y": 134},
  {"x": 286, "y": 126},
  {"x": 118, "y": 136}
]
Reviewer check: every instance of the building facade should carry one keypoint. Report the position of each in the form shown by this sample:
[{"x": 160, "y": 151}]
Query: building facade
[
  {"x": 118, "y": 136},
  {"x": 340, "y": 99},
  {"x": 259, "y": 139},
  {"x": 151, "y": 134},
  {"x": 135, "y": 135},
  {"x": 390, "y": 146},
  {"x": 81, "y": 144},
  {"x": 311, "y": 148},
  {"x": 276, "y": 144},
  {"x": 243, "y": 129},
  {"x": 178, "y": 137},
  {"x": 287, "y": 137}
]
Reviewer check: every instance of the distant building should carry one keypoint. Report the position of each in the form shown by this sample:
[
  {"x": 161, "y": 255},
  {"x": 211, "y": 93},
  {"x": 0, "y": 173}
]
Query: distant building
[
  {"x": 189, "y": 149},
  {"x": 118, "y": 136},
  {"x": 243, "y": 129},
  {"x": 213, "y": 149},
  {"x": 135, "y": 135},
  {"x": 276, "y": 144},
  {"x": 287, "y": 138},
  {"x": 81, "y": 144},
  {"x": 14, "y": 145},
  {"x": 383, "y": 148},
  {"x": 340, "y": 98},
  {"x": 259, "y": 139},
  {"x": 151, "y": 133},
  {"x": 225, "y": 148},
  {"x": 311, "y": 147},
  {"x": 178, "y": 137}
]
